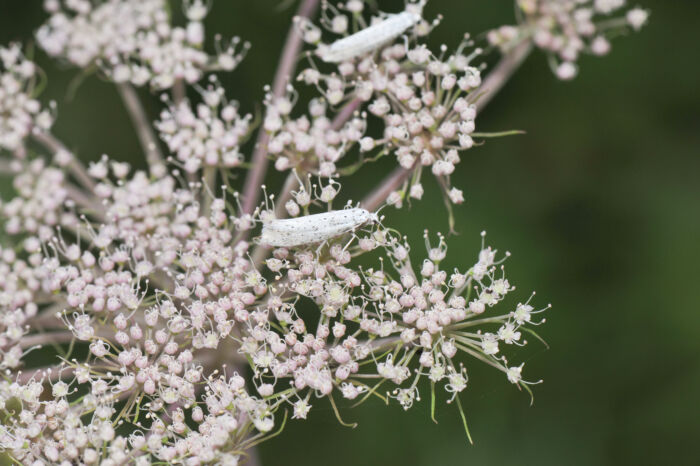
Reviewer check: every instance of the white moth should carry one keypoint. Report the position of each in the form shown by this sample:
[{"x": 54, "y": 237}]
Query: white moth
[
  {"x": 369, "y": 39},
  {"x": 314, "y": 228}
]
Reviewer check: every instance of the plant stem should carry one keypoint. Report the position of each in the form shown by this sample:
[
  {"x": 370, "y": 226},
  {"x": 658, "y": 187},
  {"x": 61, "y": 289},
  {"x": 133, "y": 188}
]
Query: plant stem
[
  {"x": 208, "y": 189},
  {"x": 76, "y": 168},
  {"x": 179, "y": 92},
  {"x": 345, "y": 114},
  {"x": 46, "y": 338},
  {"x": 385, "y": 187},
  {"x": 143, "y": 127},
  {"x": 502, "y": 72},
  {"x": 285, "y": 195}
]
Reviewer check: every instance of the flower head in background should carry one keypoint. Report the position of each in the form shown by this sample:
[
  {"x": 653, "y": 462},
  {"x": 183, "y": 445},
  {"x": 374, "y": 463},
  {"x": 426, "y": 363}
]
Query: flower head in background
[
  {"x": 20, "y": 111},
  {"x": 565, "y": 29},
  {"x": 135, "y": 41}
]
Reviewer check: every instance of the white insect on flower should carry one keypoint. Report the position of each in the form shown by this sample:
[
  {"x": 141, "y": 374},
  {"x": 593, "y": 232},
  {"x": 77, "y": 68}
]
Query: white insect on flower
[
  {"x": 314, "y": 228},
  {"x": 372, "y": 37}
]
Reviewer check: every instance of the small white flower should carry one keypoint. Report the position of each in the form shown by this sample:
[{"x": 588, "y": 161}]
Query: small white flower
[
  {"x": 514, "y": 374},
  {"x": 489, "y": 344},
  {"x": 301, "y": 409}
]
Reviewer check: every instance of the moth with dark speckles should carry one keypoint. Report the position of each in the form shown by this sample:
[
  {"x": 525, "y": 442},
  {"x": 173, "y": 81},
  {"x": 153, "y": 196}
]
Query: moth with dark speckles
[{"x": 314, "y": 228}]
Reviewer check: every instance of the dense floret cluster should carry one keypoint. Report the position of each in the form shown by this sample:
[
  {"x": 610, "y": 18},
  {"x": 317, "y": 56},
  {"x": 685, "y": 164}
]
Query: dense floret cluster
[
  {"x": 134, "y": 40},
  {"x": 567, "y": 28}
]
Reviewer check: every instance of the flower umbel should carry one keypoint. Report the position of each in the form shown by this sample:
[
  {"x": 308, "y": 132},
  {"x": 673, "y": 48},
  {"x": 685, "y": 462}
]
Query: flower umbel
[
  {"x": 567, "y": 28},
  {"x": 178, "y": 319}
]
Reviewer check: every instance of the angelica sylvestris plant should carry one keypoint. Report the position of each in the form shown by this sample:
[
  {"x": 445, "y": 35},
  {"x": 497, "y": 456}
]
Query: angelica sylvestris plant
[{"x": 182, "y": 318}]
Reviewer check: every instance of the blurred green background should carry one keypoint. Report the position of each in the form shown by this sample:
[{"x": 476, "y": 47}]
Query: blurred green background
[{"x": 598, "y": 203}]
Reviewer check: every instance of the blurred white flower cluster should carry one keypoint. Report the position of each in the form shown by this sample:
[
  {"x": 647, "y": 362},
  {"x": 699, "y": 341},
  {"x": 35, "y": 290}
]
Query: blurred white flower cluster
[
  {"x": 134, "y": 40},
  {"x": 20, "y": 112},
  {"x": 568, "y": 28}
]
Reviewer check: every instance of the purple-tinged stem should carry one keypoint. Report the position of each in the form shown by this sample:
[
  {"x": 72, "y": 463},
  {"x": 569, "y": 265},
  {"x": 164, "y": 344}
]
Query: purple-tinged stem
[
  {"x": 143, "y": 127},
  {"x": 179, "y": 92},
  {"x": 80, "y": 198},
  {"x": 345, "y": 114},
  {"x": 388, "y": 185},
  {"x": 47, "y": 338},
  {"x": 208, "y": 189},
  {"x": 76, "y": 168},
  {"x": 500, "y": 74}
]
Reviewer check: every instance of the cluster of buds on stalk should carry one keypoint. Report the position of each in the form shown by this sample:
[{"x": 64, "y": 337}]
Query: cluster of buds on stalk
[
  {"x": 565, "y": 29},
  {"x": 170, "y": 317},
  {"x": 134, "y": 41}
]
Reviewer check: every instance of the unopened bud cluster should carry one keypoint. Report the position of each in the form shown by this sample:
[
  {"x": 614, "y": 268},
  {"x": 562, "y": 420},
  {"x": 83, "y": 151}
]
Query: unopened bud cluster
[
  {"x": 568, "y": 28},
  {"x": 174, "y": 319}
]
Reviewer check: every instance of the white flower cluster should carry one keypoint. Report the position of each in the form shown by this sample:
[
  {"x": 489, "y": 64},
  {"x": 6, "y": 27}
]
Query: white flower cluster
[
  {"x": 18, "y": 294},
  {"x": 156, "y": 284},
  {"x": 310, "y": 145},
  {"x": 84, "y": 432},
  {"x": 422, "y": 100},
  {"x": 134, "y": 40},
  {"x": 39, "y": 206},
  {"x": 567, "y": 28},
  {"x": 20, "y": 112},
  {"x": 210, "y": 134}
]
